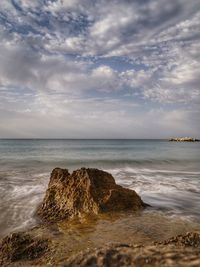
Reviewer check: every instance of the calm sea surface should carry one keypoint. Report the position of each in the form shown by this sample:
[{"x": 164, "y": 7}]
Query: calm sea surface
[{"x": 165, "y": 174}]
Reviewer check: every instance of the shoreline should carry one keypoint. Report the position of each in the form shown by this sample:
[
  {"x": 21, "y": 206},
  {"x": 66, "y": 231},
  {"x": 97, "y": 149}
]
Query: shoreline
[
  {"x": 54, "y": 243},
  {"x": 67, "y": 239}
]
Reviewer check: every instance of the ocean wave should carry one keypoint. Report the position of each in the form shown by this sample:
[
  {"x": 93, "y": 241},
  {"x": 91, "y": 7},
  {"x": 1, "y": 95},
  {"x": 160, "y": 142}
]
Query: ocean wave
[
  {"x": 176, "y": 192},
  {"x": 95, "y": 160},
  {"x": 129, "y": 169}
]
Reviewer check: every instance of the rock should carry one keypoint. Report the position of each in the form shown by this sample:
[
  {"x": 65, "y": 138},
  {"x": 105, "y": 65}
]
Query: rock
[
  {"x": 122, "y": 255},
  {"x": 27, "y": 249},
  {"x": 85, "y": 191},
  {"x": 21, "y": 246},
  {"x": 189, "y": 239},
  {"x": 184, "y": 139}
]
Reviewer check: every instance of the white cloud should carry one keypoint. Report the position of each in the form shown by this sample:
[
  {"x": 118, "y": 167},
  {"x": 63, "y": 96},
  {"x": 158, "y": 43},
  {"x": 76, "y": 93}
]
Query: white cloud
[
  {"x": 97, "y": 118},
  {"x": 58, "y": 61}
]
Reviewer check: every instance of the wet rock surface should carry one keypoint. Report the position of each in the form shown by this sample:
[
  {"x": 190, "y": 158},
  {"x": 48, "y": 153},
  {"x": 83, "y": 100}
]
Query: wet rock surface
[
  {"x": 32, "y": 248},
  {"x": 185, "y": 252},
  {"x": 21, "y": 249},
  {"x": 85, "y": 191},
  {"x": 187, "y": 240},
  {"x": 21, "y": 246}
]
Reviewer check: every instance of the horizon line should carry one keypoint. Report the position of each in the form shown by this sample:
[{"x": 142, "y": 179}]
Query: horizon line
[{"x": 38, "y": 138}]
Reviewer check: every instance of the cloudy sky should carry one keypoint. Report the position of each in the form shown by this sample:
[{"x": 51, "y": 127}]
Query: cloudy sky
[{"x": 99, "y": 68}]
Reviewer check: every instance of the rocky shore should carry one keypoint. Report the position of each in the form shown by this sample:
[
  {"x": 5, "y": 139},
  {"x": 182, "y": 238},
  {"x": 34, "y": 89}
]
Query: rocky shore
[
  {"x": 184, "y": 139},
  {"x": 24, "y": 249},
  {"x": 91, "y": 192},
  {"x": 183, "y": 251}
]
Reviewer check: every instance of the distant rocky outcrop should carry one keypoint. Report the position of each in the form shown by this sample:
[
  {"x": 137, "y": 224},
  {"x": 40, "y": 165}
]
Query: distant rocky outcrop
[
  {"x": 85, "y": 191},
  {"x": 182, "y": 251},
  {"x": 184, "y": 139}
]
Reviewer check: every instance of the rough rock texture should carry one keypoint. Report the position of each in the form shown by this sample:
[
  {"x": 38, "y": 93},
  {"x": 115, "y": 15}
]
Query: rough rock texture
[
  {"x": 21, "y": 246},
  {"x": 85, "y": 191},
  {"x": 22, "y": 249},
  {"x": 185, "y": 252},
  {"x": 191, "y": 239}
]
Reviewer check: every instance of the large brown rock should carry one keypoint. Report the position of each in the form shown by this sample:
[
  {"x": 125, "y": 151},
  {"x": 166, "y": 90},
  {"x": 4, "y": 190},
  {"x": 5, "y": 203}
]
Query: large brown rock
[{"x": 85, "y": 191}]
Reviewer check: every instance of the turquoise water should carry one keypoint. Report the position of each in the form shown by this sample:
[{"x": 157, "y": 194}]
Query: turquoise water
[{"x": 166, "y": 174}]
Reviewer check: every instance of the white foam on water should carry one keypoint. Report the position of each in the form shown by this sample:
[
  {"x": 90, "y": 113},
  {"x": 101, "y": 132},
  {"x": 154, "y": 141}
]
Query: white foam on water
[
  {"x": 128, "y": 169},
  {"x": 20, "y": 197},
  {"x": 159, "y": 180},
  {"x": 177, "y": 191},
  {"x": 25, "y": 190}
]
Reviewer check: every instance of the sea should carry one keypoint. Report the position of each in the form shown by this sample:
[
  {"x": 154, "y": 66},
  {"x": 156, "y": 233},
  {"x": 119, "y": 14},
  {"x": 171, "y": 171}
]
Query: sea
[{"x": 165, "y": 174}]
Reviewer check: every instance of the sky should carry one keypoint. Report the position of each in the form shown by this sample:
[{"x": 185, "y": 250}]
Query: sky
[{"x": 99, "y": 68}]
